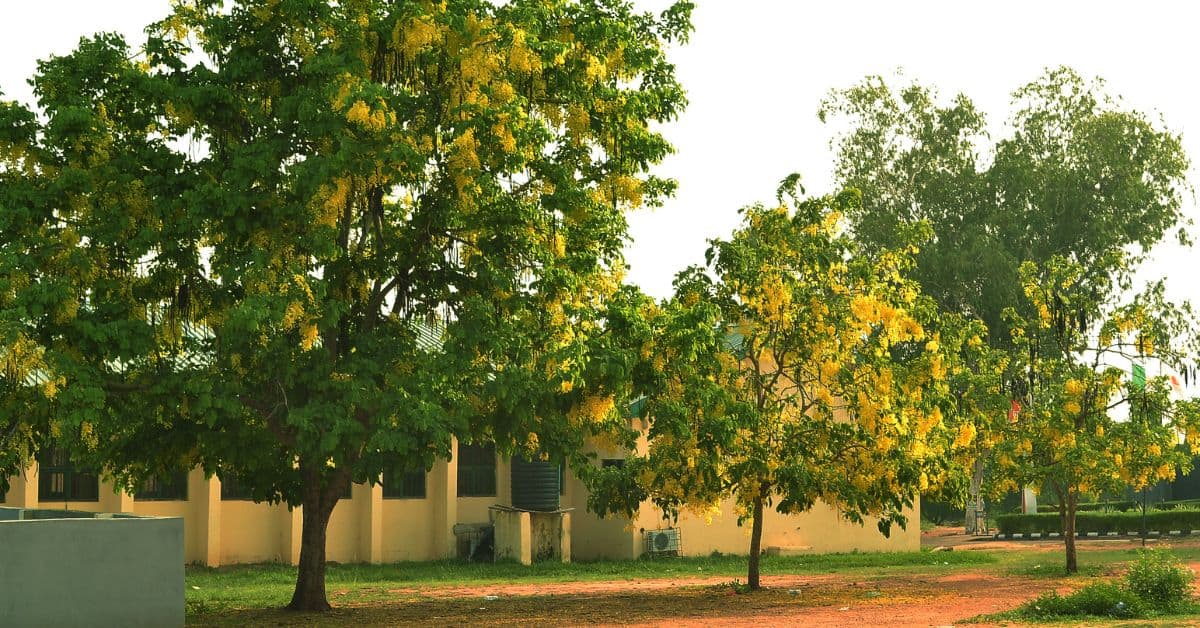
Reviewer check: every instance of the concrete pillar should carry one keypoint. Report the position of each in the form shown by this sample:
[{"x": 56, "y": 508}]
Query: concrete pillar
[
  {"x": 205, "y": 493},
  {"x": 23, "y": 489},
  {"x": 514, "y": 535},
  {"x": 112, "y": 499},
  {"x": 1028, "y": 501},
  {"x": 564, "y": 539},
  {"x": 369, "y": 499},
  {"x": 443, "y": 494},
  {"x": 292, "y": 532}
]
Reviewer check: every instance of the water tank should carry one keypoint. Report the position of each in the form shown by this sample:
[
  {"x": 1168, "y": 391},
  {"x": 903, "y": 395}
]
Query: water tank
[{"x": 534, "y": 485}]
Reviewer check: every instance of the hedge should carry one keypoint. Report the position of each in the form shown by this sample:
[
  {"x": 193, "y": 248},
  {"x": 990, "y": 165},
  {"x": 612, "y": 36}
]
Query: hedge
[
  {"x": 1102, "y": 522},
  {"x": 1120, "y": 506},
  {"x": 1178, "y": 503}
]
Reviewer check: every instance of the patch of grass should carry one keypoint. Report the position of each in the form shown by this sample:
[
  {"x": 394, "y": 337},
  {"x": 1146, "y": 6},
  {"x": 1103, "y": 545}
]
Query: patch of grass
[
  {"x": 264, "y": 586},
  {"x": 715, "y": 601},
  {"x": 1156, "y": 585},
  {"x": 1092, "y": 563}
]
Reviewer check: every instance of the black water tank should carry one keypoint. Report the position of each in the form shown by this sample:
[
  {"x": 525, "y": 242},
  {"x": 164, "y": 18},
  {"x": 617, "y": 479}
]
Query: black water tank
[{"x": 534, "y": 485}]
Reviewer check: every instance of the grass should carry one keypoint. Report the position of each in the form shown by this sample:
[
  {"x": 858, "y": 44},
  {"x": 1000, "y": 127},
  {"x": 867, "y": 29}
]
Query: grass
[
  {"x": 264, "y": 586},
  {"x": 403, "y": 593},
  {"x": 1092, "y": 563}
]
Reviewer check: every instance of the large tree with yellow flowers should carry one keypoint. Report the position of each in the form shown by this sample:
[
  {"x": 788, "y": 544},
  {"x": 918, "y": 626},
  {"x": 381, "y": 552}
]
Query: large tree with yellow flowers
[
  {"x": 1087, "y": 424},
  {"x": 297, "y": 241},
  {"x": 791, "y": 370}
]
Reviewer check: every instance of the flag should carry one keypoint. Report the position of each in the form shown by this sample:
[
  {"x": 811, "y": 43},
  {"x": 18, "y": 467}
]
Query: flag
[
  {"x": 1139, "y": 377},
  {"x": 1014, "y": 411}
]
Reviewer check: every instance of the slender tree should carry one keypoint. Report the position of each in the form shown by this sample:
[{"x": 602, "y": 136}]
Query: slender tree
[
  {"x": 790, "y": 370},
  {"x": 1087, "y": 425}
]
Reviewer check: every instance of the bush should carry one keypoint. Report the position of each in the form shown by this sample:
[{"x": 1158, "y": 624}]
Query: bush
[
  {"x": 1102, "y": 522},
  {"x": 1158, "y": 579},
  {"x": 1101, "y": 599},
  {"x": 1112, "y": 506},
  {"x": 1178, "y": 503}
]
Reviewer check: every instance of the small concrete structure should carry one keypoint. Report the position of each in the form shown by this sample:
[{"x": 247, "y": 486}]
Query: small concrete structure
[
  {"x": 528, "y": 536},
  {"x": 85, "y": 569}
]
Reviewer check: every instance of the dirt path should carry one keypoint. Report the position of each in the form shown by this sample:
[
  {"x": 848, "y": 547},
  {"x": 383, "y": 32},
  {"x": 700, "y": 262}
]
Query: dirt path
[
  {"x": 605, "y": 586},
  {"x": 809, "y": 600},
  {"x": 956, "y": 597}
]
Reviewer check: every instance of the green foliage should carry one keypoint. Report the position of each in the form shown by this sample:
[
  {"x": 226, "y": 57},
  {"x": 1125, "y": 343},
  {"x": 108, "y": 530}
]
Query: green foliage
[
  {"x": 1156, "y": 583},
  {"x": 1117, "y": 506},
  {"x": 1080, "y": 173},
  {"x": 789, "y": 370},
  {"x": 295, "y": 242},
  {"x": 1101, "y": 522},
  {"x": 1160, "y": 580},
  {"x": 1097, "y": 599}
]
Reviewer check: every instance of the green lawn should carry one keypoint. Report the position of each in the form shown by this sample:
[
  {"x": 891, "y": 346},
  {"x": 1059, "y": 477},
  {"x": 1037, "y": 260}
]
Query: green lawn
[
  {"x": 270, "y": 585},
  {"x": 390, "y": 594}
]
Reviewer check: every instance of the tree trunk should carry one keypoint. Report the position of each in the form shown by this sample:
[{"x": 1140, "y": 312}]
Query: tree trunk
[
  {"x": 318, "y": 505},
  {"x": 975, "y": 501},
  {"x": 1069, "y": 530},
  {"x": 752, "y": 578}
]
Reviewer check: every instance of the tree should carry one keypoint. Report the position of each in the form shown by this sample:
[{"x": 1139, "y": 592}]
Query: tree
[
  {"x": 1079, "y": 175},
  {"x": 295, "y": 241},
  {"x": 1069, "y": 436},
  {"x": 790, "y": 370}
]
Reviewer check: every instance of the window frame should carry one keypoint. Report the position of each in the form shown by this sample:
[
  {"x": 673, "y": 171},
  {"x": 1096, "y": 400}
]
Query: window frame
[
  {"x": 474, "y": 467},
  {"x": 408, "y": 480},
  {"x": 162, "y": 491},
  {"x": 72, "y": 477}
]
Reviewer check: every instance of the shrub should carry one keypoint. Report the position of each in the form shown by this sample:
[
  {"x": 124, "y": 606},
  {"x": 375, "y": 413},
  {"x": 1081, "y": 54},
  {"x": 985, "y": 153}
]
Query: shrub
[
  {"x": 1102, "y": 599},
  {"x": 1102, "y": 522},
  {"x": 1159, "y": 580}
]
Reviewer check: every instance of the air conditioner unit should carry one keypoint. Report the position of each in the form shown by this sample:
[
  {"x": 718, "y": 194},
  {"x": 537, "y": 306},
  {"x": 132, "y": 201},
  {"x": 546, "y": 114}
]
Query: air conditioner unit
[{"x": 663, "y": 542}]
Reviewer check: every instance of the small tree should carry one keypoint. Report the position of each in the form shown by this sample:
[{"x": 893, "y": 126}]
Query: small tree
[
  {"x": 790, "y": 370},
  {"x": 1073, "y": 355},
  {"x": 297, "y": 242}
]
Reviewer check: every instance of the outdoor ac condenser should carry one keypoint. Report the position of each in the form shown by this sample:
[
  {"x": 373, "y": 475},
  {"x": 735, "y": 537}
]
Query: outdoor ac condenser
[{"x": 663, "y": 542}]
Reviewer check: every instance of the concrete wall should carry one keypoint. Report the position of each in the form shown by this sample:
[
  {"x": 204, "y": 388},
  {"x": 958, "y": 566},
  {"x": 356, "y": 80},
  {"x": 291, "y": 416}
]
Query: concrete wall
[
  {"x": 369, "y": 528},
  {"x": 91, "y": 572}
]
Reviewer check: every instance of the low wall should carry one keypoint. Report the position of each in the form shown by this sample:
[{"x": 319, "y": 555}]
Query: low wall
[{"x": 109, "y": 571}]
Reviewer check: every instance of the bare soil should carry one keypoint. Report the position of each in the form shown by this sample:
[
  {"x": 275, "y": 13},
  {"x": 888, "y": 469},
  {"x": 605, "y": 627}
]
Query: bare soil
[{"x": 898, "y": 598}]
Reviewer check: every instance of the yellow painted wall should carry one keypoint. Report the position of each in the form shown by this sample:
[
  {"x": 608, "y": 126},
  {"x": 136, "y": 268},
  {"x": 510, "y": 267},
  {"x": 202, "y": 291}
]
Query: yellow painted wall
[
  {"x": 408, "y": 530},
  {"x": 253, "y": 533},
  {"x": 368, "y": 528},
  {"x": 819, "y": 530}
]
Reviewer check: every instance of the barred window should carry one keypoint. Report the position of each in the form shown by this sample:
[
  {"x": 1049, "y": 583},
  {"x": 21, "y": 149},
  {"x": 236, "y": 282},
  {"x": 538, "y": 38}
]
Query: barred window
[
  {"x": 169, "y": 488},
  {"x": 59, "y": 480},
  {"x": 477, "y": 470},
  {"x": 401, "y": 483}
]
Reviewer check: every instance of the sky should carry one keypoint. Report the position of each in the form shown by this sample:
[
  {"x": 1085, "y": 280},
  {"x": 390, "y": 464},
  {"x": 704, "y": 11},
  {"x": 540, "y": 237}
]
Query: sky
[{"x": 757, "y": 70}]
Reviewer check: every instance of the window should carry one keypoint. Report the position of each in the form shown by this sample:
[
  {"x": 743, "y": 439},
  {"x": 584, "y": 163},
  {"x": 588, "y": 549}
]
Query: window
[
  {"x": 612, "y": 462},
  {"x": 402, "y": 484},
  {"x": 233, "y": 490},
  {"x": 169, "y": 488},
  {"x": 477, "y": 470},
  {"x": 60, "y": 481}
]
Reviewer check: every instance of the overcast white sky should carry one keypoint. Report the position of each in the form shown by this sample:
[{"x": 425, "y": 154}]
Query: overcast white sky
[{"x": 756, "y": 71}]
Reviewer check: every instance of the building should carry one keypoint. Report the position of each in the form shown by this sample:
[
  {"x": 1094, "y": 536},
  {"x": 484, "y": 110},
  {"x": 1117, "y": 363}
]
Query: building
[{"x": 414, "y": 517}]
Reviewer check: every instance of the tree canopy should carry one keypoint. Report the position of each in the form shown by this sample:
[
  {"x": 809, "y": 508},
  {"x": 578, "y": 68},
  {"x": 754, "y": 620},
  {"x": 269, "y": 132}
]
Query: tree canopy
[
  {"x": 1087, "y": 426},
  {"x": 296, "y": 241},
  {"x": 791, "y": 370},
  {"x": 1077, "y": 174}
]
